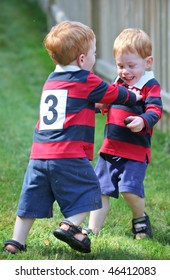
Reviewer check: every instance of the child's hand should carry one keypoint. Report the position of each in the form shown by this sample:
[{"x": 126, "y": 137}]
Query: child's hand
[
  {"x": 99, "y": 105},
  {"x": 103, "y": 107},
  {"x": 137, "y": 93},
  {"x": 134, "y": 123}
]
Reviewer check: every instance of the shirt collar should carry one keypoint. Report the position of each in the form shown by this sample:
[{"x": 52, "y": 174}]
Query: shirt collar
[
  {"x": 66, "y": 68},
  {"x": 143, "y": 80}
]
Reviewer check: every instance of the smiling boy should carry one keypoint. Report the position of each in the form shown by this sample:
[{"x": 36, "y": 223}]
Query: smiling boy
[{"x": 126, "y": 149}]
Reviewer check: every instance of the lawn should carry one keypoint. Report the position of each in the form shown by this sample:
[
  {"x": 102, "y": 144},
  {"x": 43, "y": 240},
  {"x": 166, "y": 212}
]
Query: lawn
[{"x": 24, "y": 68}]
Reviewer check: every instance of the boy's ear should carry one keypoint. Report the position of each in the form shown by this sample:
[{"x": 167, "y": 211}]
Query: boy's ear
[
  {"x": 149, "y": 61},
  {"x": 80, "y": 60}
]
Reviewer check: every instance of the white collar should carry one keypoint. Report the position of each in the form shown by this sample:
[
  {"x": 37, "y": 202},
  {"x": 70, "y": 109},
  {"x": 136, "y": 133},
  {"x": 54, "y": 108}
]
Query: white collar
[
  {"x": 72, "y": 68},
  {"x": 143, "y": 80}
]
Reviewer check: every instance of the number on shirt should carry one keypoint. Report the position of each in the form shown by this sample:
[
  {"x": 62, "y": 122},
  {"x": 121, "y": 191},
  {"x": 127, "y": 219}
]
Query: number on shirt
[{"x": 53, "y": 109}]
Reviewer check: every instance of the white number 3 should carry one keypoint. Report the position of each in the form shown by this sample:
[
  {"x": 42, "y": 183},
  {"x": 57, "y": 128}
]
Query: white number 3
[{"x": 53, "y": 109}]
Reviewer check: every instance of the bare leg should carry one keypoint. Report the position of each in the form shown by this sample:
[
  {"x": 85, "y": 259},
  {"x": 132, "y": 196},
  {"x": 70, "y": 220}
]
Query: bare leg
[
  {"x": 98, "y": 217},
  {"x": 21, "y": 230},
  {"x": 78, "y": 218},
  {"x": 137, "y": 206}
]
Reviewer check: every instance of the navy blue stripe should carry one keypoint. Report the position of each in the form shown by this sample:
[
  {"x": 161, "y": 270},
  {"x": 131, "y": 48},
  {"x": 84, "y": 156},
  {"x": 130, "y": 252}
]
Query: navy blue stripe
[
  {"x": 72, "y": 76},
  {"x": 113, "y": 131},
  {"x": 151, "y": 83},
  {"x": 154, "y": 100},
  {"x": 72, "y": 133},
  {"x": 98, "y": 93},
  {"x": 137, "y": 109},
  {"x": 75, "y": 105},
  {"x": 151, "y": 118},
  {"x": 122, "y": 97}
]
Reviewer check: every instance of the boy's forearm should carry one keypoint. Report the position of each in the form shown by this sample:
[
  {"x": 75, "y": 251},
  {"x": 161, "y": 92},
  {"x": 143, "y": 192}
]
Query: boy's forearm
[
  {"x": 125, "y": 97},
  {"x": 150, "y": 118}
]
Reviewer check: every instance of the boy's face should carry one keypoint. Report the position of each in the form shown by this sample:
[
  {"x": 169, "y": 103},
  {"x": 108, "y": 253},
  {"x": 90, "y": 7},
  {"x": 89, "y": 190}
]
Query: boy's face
[
  {"x": 131, "y": 67},
  {"x": 90, "y": 58}
]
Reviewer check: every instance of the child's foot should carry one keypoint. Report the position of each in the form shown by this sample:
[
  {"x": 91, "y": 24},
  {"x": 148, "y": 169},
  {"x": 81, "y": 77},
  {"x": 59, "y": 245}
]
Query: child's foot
[
  {"x": 141, "y": 227},
  {"x": 140, "y": 236},
  {"x": 12, "y": 246},
  {"x": 74, "y": 236}
]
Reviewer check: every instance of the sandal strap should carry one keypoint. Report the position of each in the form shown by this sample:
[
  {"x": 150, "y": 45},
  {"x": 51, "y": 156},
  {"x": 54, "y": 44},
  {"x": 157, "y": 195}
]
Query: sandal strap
[
  {"x": 69, "y": 236},
  {"x": 142, "y": 228},
  {"x": 139, "y": 220},
  {"x": 145, "y": 225},
  {"x": 77, "y": 229},
  {"x": 67, "y": 222},
  {"x": 16, "y": 244}
]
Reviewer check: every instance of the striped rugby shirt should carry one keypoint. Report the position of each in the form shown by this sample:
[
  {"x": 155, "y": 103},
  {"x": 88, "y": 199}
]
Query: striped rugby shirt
[
  {"x": 65, "y": 128},
  {"x": 118, "y": 139}
]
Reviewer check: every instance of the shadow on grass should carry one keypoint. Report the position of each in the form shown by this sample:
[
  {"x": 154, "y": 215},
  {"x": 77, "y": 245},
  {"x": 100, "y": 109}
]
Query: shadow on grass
[
  {"x": 64, "y": 252},
  {"x": 61, "y": 251},
  {"x": 69, "y": 254}
]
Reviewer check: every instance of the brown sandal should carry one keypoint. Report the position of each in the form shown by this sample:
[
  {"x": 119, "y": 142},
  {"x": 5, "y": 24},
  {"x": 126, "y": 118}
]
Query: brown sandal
[{"x": 68, "y": 236}]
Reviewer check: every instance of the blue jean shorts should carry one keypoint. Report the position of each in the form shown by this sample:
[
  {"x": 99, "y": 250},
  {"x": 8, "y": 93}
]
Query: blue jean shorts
[
  {"x": 71, "y": 182},
  {"x": 117, "y": 175}
]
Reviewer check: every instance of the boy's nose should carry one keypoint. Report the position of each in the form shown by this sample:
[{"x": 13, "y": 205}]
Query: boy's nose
[{"x": 124, "y": 71}]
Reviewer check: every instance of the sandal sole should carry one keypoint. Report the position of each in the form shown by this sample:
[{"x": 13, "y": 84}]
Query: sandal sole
[{"x": 71, "y": 241}]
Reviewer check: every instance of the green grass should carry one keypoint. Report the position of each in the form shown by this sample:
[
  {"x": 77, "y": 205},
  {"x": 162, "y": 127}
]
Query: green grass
[{"x": 24, "y": 68}]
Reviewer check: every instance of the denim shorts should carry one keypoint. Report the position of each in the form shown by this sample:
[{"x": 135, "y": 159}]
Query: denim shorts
[
  {"x": 71, "y": 182},
  {"x": 117, "y": 175}
]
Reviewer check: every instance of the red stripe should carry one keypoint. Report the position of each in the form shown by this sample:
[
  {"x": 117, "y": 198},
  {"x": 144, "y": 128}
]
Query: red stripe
[
  {"x": 153, "y": 91},
  {"x": 84, "y": 117},
  {"x": 110, "y": 95},
  {"x": 127, "y": 98},
  {"x": 125, "y": 150},
  {"x": 38, "y": 125},
  {"x": 65, "y": 149},
  {"x": 153, "y": 108},
  {"x": 77, "y": 90},
  {"x": 117, "y": 116}
]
